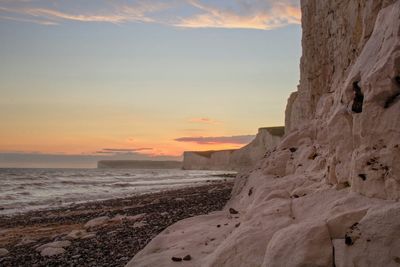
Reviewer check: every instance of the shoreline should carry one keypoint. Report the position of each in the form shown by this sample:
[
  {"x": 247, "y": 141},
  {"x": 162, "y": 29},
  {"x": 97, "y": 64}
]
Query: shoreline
[
  {"x": 128, "y": 225},
  {"x": 71, "y": 205},
  {"x": 25, "y": 190}
]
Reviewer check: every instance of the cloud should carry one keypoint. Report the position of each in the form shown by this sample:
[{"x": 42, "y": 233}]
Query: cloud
[
  {"x": 204, "y": 120},
  {"x": 122, "y": 150},
  {"x": 113, "y": 18},
  {"x": 238, "y": 139},
  {"x": 258, "y": 16},
  {"x": 126, "y": 149},
  {"x": 242, "y": 14},
  {"x": 130, "y": 140},
  {"x": 116, "y": 13},
  {"x": 193, "y": 130},
  {"x": 37, "y": 21}
]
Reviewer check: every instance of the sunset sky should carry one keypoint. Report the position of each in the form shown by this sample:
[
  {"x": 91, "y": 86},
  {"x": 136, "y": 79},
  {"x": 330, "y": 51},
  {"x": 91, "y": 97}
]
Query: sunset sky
[{"x": 86, "y": 80}]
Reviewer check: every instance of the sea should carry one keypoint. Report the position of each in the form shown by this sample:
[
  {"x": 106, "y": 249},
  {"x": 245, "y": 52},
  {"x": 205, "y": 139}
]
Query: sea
[{"x": 23, "y": 190}]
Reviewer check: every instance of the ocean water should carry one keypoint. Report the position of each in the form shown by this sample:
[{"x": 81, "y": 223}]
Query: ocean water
[{"x": 23, "y": 190}]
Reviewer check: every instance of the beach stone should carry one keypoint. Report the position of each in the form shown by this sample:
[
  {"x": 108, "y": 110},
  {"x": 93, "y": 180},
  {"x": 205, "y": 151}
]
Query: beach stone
[
  {"x": 136, "y": 217},
  {"x": 212, "y": 190},
  {"x": 139, "y": 224},
  {"x": 120, "y": 218},
  {"x": 155, "y": 201},
  {"x": 56, "y": 244},
  {"x": 3, "y": 252},
  {"x": 76, "y": 234},
  {"x": 97, "y": 222},
  {"x": 49, "y": 252},
  {"x": 25, "y": 241},
  {"x": 89, "y": 236},
  {"x": 5, "y": 231}
]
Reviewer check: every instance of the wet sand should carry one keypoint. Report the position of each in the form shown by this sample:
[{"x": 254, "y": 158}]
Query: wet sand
[{"x": 132, "y": 223}]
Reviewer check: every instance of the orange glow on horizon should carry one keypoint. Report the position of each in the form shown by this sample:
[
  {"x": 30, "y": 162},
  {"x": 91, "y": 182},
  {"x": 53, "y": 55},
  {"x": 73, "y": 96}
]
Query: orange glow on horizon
[{"x": 91, "y": 145}]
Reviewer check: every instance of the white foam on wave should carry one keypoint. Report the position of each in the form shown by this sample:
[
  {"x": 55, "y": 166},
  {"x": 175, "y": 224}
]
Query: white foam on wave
[{"x": 23, "y": 190}]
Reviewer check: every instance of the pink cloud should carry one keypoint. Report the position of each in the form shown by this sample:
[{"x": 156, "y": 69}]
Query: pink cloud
[
  {"x": 122, "y": 150},
  {"x": 239, "y": 14},
  {"x": 204, "y": 120},
  {"x": 117, "y": 13},
  {"x": 238, "y": 140},
  {"x": 278, "y": 14}
]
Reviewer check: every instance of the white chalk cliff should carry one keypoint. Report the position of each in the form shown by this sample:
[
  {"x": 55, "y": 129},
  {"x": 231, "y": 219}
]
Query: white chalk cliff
[
  {"x": 241, "y": 159},
  {"x": 328, "y": 195},
  {"x": 207, "y": 160}
]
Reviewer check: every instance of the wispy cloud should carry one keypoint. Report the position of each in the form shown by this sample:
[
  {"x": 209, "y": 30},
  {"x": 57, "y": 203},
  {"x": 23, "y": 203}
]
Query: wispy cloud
[
  {"x": 238, "y": 139},
  {"x": 122, "y": 150},
  {"x": 114, "y": 13},
  {"x": 204, "y": 121},
  {"x": 245, "y": 14},
  {"x": 37, "y": 21},
  {"x": 126, "y": 149},
  {"x": 252, "y": 16}
]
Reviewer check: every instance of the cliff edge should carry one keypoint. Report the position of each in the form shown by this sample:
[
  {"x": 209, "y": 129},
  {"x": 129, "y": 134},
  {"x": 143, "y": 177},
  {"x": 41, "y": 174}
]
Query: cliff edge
[
  {"x": 241, "y": 159},
  {"x": 328, "y": 194}
]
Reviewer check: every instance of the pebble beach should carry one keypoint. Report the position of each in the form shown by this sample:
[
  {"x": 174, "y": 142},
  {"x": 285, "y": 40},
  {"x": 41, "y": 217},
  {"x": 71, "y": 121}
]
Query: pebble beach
[{"x": 102, "y": 233}]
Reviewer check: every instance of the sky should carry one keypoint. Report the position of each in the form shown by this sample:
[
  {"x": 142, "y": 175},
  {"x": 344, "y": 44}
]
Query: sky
[{"x": 127, "y": 79}]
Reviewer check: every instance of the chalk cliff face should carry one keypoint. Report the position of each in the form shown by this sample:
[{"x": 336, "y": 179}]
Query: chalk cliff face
[
  {"x": 238, "y": 160},
  {"x": 207, "y": 160},
  {"x": 350, "y": 45},
  {"x": 248, "y": 156},
  {"x": 328, "y": 194}
]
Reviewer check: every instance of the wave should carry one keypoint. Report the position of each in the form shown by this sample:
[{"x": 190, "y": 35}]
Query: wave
[{"x": 27, "y": 189}]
